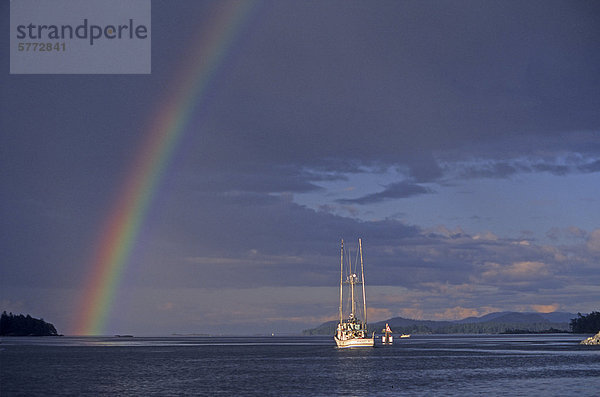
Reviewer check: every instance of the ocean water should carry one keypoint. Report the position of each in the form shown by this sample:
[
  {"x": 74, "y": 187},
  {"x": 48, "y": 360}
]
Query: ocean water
[{"x": 493, "y": 365}]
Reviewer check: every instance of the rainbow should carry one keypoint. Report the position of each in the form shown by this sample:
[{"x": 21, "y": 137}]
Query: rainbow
[{"x": 118, "y": 236}]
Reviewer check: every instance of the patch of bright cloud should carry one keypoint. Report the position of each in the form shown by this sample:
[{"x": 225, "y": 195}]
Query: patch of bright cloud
[
  {"x": 593, "y": 242},
  {"x": 489, "y": 236},
  {"x": 456, "y": 313},
  {"x": 518, "y": 271},
  {"x": 411, "y": 313},
  {"x": 378, "y": 314},
  {"x": 165, "y": 306},
  {"x": 546, "y": 308}
]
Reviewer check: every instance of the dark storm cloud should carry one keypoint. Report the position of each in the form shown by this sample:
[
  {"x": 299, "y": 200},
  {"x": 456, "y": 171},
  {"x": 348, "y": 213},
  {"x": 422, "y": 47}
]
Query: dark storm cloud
[
  {"x": 475, "y": 69},
  {"x": 393, "y": 191},
  {"x": 271, "y": 180},
  {"x": 407, "y": 84},
  {"x": 497, "y": 170},
  {"x": 554, "y": 169},
  {"x": 591, "y": 167},
  {"x": 507, "y": 169}
]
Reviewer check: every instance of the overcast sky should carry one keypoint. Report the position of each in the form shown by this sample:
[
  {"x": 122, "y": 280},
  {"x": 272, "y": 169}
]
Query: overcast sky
[{"x": 460, "y": 140}]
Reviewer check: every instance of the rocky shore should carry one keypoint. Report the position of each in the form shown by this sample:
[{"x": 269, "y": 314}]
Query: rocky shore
[{"x": 592, "y": 340}]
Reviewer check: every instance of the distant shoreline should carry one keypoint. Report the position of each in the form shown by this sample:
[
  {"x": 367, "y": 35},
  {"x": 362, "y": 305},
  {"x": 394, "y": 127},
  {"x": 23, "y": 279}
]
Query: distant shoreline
[{"x": 492, "y": 323}]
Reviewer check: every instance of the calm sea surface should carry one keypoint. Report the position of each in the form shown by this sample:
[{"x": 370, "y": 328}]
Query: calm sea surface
[{"x": 507, "y": 365}]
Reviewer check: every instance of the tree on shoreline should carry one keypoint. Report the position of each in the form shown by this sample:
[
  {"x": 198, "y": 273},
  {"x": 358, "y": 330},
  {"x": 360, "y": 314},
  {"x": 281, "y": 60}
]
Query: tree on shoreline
[
  {"x": 20, "y": 325},
  {"x": 589, "y": 324}
]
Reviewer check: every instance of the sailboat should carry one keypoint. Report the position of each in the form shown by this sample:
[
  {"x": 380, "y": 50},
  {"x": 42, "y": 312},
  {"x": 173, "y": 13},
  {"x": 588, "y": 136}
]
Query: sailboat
[
  {"x": 387, "y": 338},
  {"x": 352, "y": 331}
]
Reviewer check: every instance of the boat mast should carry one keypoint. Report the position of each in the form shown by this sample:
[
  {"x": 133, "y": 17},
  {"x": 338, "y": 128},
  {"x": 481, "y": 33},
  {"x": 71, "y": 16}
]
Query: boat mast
[
  {"x": 341, "y": 278},
  {"x": 352, "y": 281},
  {"x": 362, "y": 277}
]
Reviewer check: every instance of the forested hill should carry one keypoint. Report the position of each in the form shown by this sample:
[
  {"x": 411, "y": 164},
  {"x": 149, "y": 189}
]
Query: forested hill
[
  {"x": 20, "y": 325},
  {"x": 493, "y": 323}
]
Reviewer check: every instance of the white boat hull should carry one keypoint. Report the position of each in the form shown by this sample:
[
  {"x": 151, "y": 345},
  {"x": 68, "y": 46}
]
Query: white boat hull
[{"x": 354, "y": 342}]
